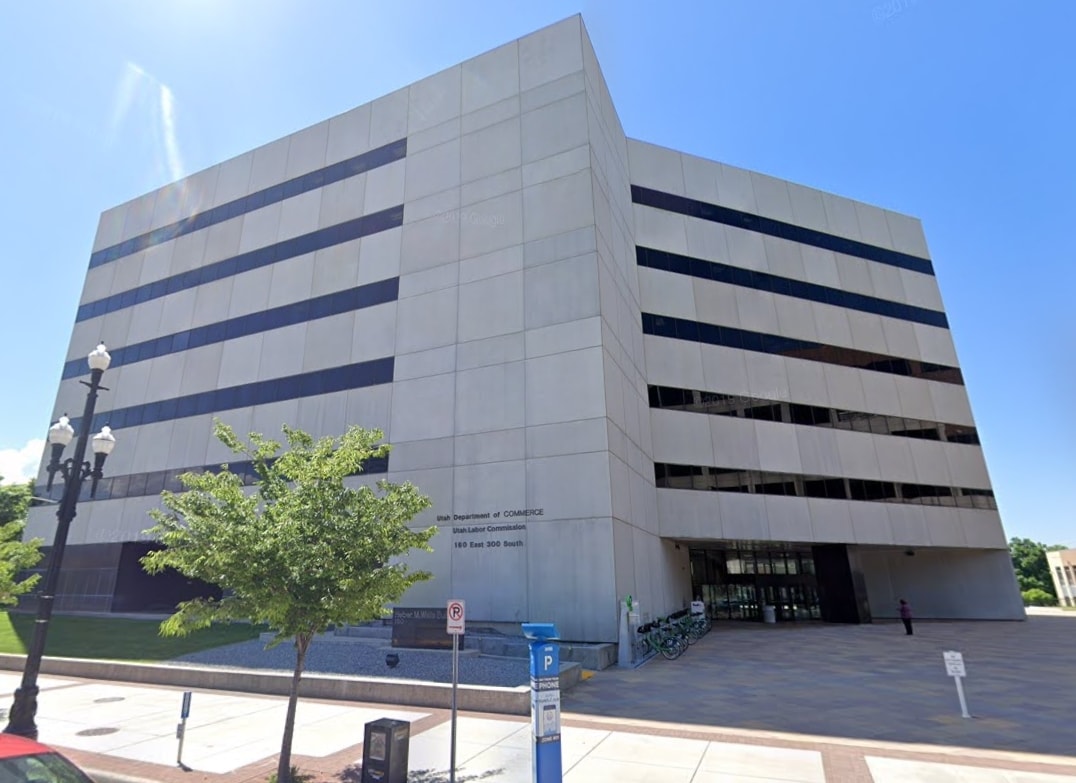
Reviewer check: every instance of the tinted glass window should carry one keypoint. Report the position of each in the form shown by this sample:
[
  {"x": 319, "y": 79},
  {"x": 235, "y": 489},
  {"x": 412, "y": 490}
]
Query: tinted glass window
[
  {"x": 762, "y": 281},
  {"x": 776, "y": 228},
  {"x": 684, "y": 329},
  {"x": 769, "y": 483},
  {"x": 312, "y": 181},
  {"x": 40, "y": 768},
  {"x": 805, "y": 415},
  {"x": 255, "y": 259}
]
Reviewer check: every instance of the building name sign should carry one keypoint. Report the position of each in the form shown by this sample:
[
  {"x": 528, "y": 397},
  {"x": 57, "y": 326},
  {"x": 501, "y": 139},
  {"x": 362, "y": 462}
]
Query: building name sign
[
  {"x": 421, "y": 627},
  {"x": 512, "y": 513},
  {"x": 504, "y": 535}
]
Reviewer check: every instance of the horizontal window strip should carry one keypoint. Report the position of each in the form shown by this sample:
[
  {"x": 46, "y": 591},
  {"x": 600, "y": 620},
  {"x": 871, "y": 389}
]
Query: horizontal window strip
[
  {"x": 776, "y": 228},
  {"x": 737, "y": 406},
  {"x": 309, "y": 384},
  {"x": 286, "y": 315},
  {"x": 245, "y": 262},
  {"x": 135, "y": 485},
  {"x": 759, "y": 482},
  {"x": 336, "y": 172},
  {"x": 683, "y": 329},
  {"x": 763, "y": 281}
]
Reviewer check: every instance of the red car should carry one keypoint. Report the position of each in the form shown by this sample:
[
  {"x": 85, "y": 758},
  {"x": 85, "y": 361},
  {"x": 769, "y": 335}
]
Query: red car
[{"x": 24, "y": 760}]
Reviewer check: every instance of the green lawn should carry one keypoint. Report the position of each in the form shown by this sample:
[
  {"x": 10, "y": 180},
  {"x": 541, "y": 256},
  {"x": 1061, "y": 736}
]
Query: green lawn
[{"x": 113, "y": 638}]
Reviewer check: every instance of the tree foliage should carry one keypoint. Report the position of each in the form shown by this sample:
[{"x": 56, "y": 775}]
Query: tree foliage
[
  {"x": 1032, "y": 569},
  {"x": 1037, "y": 597},
  {"x": 300, "y": 553},
  {"x": 16, "y": 555}
]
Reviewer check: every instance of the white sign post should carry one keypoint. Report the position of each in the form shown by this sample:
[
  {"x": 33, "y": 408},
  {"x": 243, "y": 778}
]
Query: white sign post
[
  {"x": 954, "y": 667},
  {"x": 456, "y": 619}
]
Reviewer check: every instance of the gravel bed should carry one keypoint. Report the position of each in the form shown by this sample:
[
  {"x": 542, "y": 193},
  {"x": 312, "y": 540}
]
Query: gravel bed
[{"x": 358, "y": 658}]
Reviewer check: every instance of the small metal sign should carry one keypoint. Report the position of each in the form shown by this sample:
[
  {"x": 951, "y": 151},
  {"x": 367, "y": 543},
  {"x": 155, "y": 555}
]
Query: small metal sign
[
  {"x": 456, "y": 617},
  {"x": 954, "y": 664},
  {"x": 185, "y": 712},
  {"x": 954, "y": 667}
]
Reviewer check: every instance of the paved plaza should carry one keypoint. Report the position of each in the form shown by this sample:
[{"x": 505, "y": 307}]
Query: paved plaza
[
  {"x": 756, "y": 704},
  {"x": 864, "y": 681}
]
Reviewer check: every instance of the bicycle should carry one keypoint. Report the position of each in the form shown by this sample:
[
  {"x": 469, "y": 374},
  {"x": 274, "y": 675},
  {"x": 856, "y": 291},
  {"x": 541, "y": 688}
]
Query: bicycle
[{"x": 657, "y": 640}]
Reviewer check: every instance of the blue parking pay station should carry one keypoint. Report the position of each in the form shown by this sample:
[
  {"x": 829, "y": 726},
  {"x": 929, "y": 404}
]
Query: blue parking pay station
[{"x": 545, "y": 701}]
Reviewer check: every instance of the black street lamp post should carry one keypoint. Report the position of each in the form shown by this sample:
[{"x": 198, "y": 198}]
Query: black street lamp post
[{"x": 74, "y": 470}]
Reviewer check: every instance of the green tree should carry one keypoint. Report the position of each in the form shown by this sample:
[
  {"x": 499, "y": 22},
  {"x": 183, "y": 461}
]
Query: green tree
[
  {"x": 1037, "y": 597},
  {"x": 16, "y": 555},
  {"x": 1032, "y": 569},
  {"x": 301, "y": 553}
]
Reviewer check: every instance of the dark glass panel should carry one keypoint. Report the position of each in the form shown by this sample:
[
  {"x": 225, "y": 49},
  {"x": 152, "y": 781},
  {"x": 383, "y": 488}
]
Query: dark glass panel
[
  {"x": 763, "y": 413},
  {"x": 955, "y": 433},
  {"x": 685, "y": 329},
  {"x": 119, "y": 486},
  {"x": 775, "y": 487}
]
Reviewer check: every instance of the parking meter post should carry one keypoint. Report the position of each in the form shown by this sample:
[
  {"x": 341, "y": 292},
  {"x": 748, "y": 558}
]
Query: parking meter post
[
  {"x": 181, "y": 730},
  {"x": 545, "y": 702}
]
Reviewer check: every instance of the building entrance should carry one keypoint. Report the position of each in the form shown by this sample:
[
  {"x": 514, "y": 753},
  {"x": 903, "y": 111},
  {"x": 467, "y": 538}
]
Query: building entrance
[{"x": 737, "y": 579}]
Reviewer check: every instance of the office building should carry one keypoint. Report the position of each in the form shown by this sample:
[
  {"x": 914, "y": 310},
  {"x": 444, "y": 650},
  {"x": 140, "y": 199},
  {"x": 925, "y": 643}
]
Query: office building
[
  {"x": 1063, "y": 571},
  {"x": 615, "y": 368}
]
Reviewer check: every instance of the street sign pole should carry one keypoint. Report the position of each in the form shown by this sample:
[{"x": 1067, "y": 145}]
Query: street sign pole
[
  {"x": 455, "y": 683},
  {"x": 960, "y": 695},
  {"x": 456, "y": 620},
  {"x": 181, "y": 730},
  {"x": 954, "y": 667}
]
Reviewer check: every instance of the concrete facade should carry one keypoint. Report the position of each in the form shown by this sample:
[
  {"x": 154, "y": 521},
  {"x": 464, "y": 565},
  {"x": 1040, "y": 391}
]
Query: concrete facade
[{"x": 460, "y": 263}]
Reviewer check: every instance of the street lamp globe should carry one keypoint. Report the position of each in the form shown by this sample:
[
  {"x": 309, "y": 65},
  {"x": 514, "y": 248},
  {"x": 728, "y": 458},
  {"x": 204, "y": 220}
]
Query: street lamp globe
[
  {"x": 99, "y": 358},
  {"x": 61, "y": 433},
  {"x": 104, "y": 441}
]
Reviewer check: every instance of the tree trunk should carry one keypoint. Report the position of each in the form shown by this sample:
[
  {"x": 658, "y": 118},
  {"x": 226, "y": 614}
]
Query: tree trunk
[{"x": 283, "y": 769}]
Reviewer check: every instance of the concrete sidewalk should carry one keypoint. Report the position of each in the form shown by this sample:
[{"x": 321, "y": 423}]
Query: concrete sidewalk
[{"x": 125, "y": 732}]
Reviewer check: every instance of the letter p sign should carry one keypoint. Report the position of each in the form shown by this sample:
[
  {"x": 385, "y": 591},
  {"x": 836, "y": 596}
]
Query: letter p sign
[{"x": 547, "y": 662}]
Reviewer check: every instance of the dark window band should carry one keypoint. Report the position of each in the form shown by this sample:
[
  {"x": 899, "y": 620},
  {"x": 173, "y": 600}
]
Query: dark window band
[
  {"x": 763, "y": 281},
  {"x": 683, "y": 329},
  {"x": 143, "y": 484},
  {"x": 309, "y": 384},
  {"x": 286, "y": 315},
  {"x": 245, "y": 262},
  {"x": 701, "y": 477},
  {"x": 713, "y": 404},
  {"x": 777, "y": 228},
  {"x": 351, "y": 167}
]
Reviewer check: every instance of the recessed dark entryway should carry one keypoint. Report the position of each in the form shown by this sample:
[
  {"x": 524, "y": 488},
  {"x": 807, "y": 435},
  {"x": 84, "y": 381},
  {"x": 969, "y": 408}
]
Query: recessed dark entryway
[{"x": 802, "y": 582}]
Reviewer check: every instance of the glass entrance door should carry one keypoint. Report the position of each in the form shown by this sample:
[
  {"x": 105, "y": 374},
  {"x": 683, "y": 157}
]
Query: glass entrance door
[{"x": 737, "y": 579}]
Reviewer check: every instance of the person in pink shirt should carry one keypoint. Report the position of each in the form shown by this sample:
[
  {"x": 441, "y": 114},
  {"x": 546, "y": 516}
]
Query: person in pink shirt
[{"x": 906, "y": 616}]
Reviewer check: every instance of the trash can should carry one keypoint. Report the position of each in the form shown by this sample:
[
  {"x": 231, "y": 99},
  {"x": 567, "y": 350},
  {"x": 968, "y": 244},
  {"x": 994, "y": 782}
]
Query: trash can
[
  {"x": 384, "y": 751},
  {"x": 769, "y": 614}
]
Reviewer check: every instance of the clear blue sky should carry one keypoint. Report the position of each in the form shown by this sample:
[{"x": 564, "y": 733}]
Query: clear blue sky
[{"x": 959, "y": 113}]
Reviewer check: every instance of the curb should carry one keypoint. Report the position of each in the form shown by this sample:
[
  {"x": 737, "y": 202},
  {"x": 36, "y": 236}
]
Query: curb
[{"x": 104, "y": 776}]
